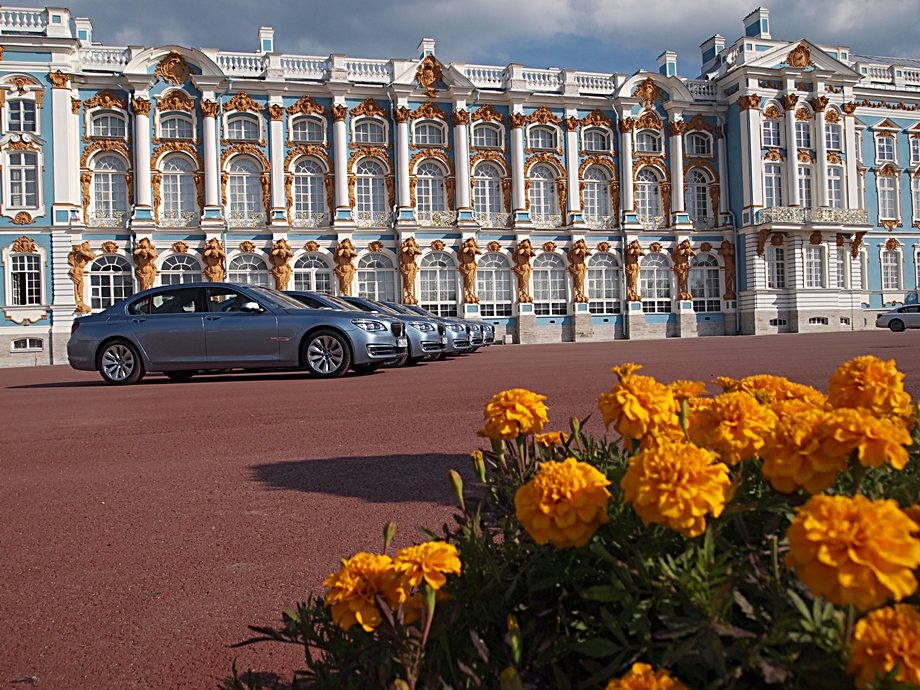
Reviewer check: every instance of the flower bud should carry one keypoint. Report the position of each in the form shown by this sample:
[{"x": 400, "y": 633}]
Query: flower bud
[
  {"x": 389, "y": 531},
  {"x": 479, "y": 465},
  {"x": 399, "y": 684},
  {"x": 456, "y": 485},
  {"x": 510, "y": 680},
  {"x": 576, "y": 426},
  {"x": 514, "y": 637}
]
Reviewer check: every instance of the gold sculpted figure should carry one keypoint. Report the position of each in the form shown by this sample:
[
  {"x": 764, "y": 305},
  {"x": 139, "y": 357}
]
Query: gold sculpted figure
[
  {"x": 280, "y": 258},
  {"x": 522, "y": 269},
  {"x": 631, "y": 262},
  {"x": 467, "y": 269},
  {"x": 727, "y": 252},
  {"x": 681, "y": 258},
  {"x": 214, "y": 256},
  {"x": 79, "y": 256},
  {"x": 344, "y": 254},
  {"x": 408, "y": 251},
  {"x": 578, "y": 267},
  {"x": 145, "y": 256}
]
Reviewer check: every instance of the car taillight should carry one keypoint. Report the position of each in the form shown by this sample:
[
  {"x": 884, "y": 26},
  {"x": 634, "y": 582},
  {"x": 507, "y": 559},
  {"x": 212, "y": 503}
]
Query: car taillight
[{"x": 73, "y": 329}]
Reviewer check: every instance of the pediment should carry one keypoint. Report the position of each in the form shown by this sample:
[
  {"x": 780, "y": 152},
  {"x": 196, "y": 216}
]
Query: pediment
[
  {"x": 654, "y": 87},
  {"x": 174, "y": 65},
  {"x": 888, "y": 124},
  {"x": 802, "y": 55},
  {"x": 434, "y": 73}
]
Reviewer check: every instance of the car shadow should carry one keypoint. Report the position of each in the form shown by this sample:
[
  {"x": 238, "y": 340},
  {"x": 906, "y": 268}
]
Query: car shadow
[
  {"x": 376, "y": 479},
  {"x": 199, "y": 379}
]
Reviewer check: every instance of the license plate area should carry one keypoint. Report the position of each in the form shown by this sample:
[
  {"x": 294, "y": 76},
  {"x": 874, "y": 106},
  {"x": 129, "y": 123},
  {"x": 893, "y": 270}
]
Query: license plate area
[{"x": 402, "y": 342}]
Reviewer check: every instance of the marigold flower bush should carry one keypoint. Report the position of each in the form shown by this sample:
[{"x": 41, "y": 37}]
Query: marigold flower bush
[{"x": 748, "y": 534}]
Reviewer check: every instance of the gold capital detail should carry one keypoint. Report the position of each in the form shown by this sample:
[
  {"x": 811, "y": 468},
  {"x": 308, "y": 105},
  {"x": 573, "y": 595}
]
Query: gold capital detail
[
  {"x": 675, "y": 129},
  {"x": 627, "y": 124},
  {"x": 517, "y": 120},
  {"x": 275, "y": 113},
  {"x": 789, "y": 100},
  {"x": 751, "y": 102},
  {"x": 402, "y": 115},
  {"x": 141, "y": 106},
  {"x": 208, "y": 108},
  {"x": 339, "y": 113},
  {"x": 460, "y": 117},
  {"x": 59, "y": 80},
  {"x": 571, "y": 124},
  {"x": 819, "y": 103}
]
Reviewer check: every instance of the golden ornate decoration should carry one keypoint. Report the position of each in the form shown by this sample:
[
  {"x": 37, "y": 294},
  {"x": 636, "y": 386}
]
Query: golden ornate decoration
[
  {"x": 889, "y": 225},
  {"x": 832, "y": 116},
  {"x": 714, "y": 193},
  {"x": 368, "y": 152},
  {"x": 306, "y": 106},
  {"x": 521, "y": 257},
  {"x": 59, "y": 80},
  {"x": 173, "y": 69},
  {"x": 308, "y": 150},
  {"x": 857, "y": 243},
  {"x": 804, "y": 157},
  {"x": 329, "y": 181},
  {"x": 892, "y": 245},
  {"x": 156, "y": 181},
  {"x": 840, "y": 239},
  {"x": 652, "y": 161},
  {"x": 369, "y": 108},
  {"x": 596, "y": 119},
  {"x": 698, "y": 123},
  {"x": 544, "y": 116},
  {"x": 141, "y": 106},
  {"x": 339, "y": 113},
  {"x": 665, "y": 198},
  {"x": 598, "y": 159},
  {"x": 375, "y": 246},
  {"x": 772, "y": 113},
  {"x": 214, "y": 256},
  {"x": 280, "y": 259},
  {"x": 777, "y": 239},
  {"x": 507, "y": 188},
  {"x": 311, "y": 246},
  {"x": 23, "y": 146},
  {"x": 571, "y": 124},
  {"x": 265, "y": 181},
  {"x": 23, "y": 218},
  {"x": 1, "y": 52},
  {"x": 789, "y": 101},
  {"x": 562, "y": 191},
  {"x": 655, "y": 247},
  {"x": 199, "y": 189},
  {"x": 675, "y": 129},
  {"x": 727, "y": 252},
  {"x": 648, "y": 92},
  {"x": 802, "y": 115},
  {"x": 107, "y": 99},
  {"x": 486, "y": 113},
  {"x": 773, "y": 155},
  {"x": 75, "y": 104},
  {"x": 176, "y": 146},
  {"x": 247, "y": 247},
  {"x": 175, "y": 100},
  {"x": 762, "y": 236},
  {"x": 494, "y": 246},
  {"x": 86, "y": 181},
  {"x": 603, "y": 246},
  {"x": 438, "y": 245},
  {"x": 815, "y": 237},
  {"x": 402, "y": 115},
  {"x": 705, "y": 247},
  {"x": 460, "y": 117},
  {"x": 834, "y": 157},
  {"x": 681, "y": 257},
  {"x": 243, "y": 103},
  {"x": 750, "y": 102},
  {"x": 180, "y": 247},
  {"x": 888, "y": 170},
  {"x": 849, "y": 109},
  {"x": 79, "y": 256},
  {"x": 631, "y": 269},
  {"x": 344, "y": 268},
  {"x": 429, "y": 73},
  {"x": 408, "y": 252},
  {"x": 627, "y": 124},
  {"x": 145, "y": 256},
  {"x": 209, "y": 108},
  {"x": 467, "y": 268},
  {"x": 247, "y": 149},
  {"x": 549, "y": 246},
  {"x": 429, "y": 111},
  {"x": 276, "y": 113},
  {"x": 24, "y": 245},
  {"x": 705, "y": 164},
  {"x": 544, "y": 158},
  {"x": 800, "y": 57},
  {"x": 819, "y": 103},
  {"x": 517, "y": 120},
  {"x": 288, "y": 194},
  {"x": 489, "y": 156},
  {"x": 578, "y": 269},
  {"x": 110, "y": 247}
]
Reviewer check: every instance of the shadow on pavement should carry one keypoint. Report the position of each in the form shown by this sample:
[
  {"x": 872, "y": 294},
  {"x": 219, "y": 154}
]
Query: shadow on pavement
[
  {"x": 200, "y": 379},
  {"x": 382, "y": 479}
]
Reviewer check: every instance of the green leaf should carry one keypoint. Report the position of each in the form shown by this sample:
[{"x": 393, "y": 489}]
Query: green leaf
[
  {"x": 597, "y": 647},
  {"x": 605, "y": 593}
]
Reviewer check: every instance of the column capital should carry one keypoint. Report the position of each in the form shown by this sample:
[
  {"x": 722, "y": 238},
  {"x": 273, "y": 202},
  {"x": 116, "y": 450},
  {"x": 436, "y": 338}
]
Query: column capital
[
  {"x": 208, "y": 108},
  {"x": 141, "y": 106}
]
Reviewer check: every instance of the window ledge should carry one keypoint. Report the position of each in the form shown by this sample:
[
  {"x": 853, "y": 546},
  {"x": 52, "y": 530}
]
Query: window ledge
[{"x": 26, "y": 316}]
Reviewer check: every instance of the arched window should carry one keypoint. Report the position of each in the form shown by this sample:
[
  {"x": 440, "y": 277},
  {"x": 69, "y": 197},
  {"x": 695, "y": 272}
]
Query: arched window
[
  {"x": 655, "y": 284},
  {"x": 21, "y": 116},
  {"x": 110, "y": 192},
  {"x": 487, "y": 136},
  {"x": 309, "y": 194},
  {"x": 891, "y": 270},
  {"x": 597, "y": 193},
  {"x": 698, "y": 196},
  {"x": 493, "y": 284},
  {"x": 429, "y": 134},
  {"x": 23, "y": 171},
  {"x": 245, "y": 193},
  {"x": 243, "y": 128},
  {"x": 109, "y": 281},
  {"x": 542, "y": 191},
  {"x": 370, "y": 132},
  {"x": 370, "y": 190},
  {"x": 429, "y": 190},
  {"x": 699, "y": 144},
  {"x": 549, "y": 297},
  {"x": 179, "y": 268},
  {"x": 376, "y": 277},
  {"x": 648, "y": 142},
  {"x": 771, "y": 133},
  {"x": 541, "y": 138},
  {"x": 179, "y": 204},
  {"x": 312, "y": 272},
  {"x": 176, "y": 127},
  {"x": 775, "y": 258},
  {"x": 604, "y": 284},
  {"x": 596, "y": 139},
  {"x": 109, "y": 125},
  {"x": 26, "y": 279},
  {"x": 773, "y": 186},
  {"x": 487, "y": 191},
  {"x": 648, "y": 193},
  {"x": 307, "y": 129},
  {"x": 438, "y": 282},
  {"x": 248, "y": 269},
  {"x": 704, "y": 283}
]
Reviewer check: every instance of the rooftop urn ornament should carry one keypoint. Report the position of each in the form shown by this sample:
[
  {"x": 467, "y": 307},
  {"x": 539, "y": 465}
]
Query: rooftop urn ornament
[{"x": 428, "y": 74}]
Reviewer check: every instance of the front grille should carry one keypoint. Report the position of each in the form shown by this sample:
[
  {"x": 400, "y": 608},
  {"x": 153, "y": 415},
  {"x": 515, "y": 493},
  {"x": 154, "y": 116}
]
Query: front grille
[
  {"x": 441, "y": 329},
  {"x": 461, "y": 343},
  {"x": 428, "y": 346},
  {"x": 398, "y": 329},
  {"x": 384, "y": 350}
]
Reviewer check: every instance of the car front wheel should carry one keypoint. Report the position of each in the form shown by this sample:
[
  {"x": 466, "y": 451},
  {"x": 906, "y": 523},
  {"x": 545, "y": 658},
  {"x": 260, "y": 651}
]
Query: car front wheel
[
  {"x": 326, "y": 354},
  {"x": 896, "y": 325},
  {"x": 120, "y": 364}
]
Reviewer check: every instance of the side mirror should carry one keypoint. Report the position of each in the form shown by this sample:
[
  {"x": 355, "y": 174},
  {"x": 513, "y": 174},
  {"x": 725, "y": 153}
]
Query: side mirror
[{"x": 251, "y": 307}]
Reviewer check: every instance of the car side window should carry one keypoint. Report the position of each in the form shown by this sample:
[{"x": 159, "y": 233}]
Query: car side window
[
  {"x": 224, "y": 299},
  {"x": 141, "y": 306},
  {"x": 911, "y": 310},
  {"x": 184, "y": 301},
  {"x": 310, "y": 302}
]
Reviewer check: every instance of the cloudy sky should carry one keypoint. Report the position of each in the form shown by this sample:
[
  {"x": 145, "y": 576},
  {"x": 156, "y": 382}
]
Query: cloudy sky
[{"x": 592, "y": 35}]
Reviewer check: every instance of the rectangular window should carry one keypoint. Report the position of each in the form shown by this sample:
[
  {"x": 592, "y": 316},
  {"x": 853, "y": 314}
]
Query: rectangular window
[
  {"x": 773, "y": 186},
  {"x": 771, "y": 133},
  {"x": 26, "y": 279},
  {"x": 28, "y": 344},
  {"x": 23, "y": 180},
  {"x": 776, "y": 268},
  {"x": 915, "y": 197},
  {"x": 835, "y": 187},
  {"x": 859, "y": 142},
  {"x": 779, "y": 322},
  {"x": 814, "y": 267},
  {"x": 887, "y": 197},
  {"x": 805, "y": 187},
  {"x": 832, "y": 137},
  {"x": 891, "y": 270},
  {"x": 884, "y": 148},
  {"x": 915, "y": 150},
  {"x": 818, "y": 321},
  {"x": 841, "y": 266},
  {"x": 22, "y": 116},
  {"x": 863, "y": 271},
  {"x": 803, "y": 135}
]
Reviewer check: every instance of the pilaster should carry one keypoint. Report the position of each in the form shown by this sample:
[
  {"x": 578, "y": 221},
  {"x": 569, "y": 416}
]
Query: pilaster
[
  {"x": 212, "y": 214},
  {"x": 276, "y": 159}
]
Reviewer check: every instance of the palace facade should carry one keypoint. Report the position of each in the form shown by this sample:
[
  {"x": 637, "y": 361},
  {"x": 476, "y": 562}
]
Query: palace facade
[{"x": 778, "y": 192}]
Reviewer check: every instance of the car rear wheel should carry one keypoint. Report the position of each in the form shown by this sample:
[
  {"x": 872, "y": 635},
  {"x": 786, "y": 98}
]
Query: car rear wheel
[
  {"x": 120, "y": 364},
  {"x": 896, "y": 325},
  {"x": 179, "y": 375},
  {"x": 326, "y": 354}
]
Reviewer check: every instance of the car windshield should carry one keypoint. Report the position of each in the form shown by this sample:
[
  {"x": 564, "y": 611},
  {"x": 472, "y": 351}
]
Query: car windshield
[
  {"x": 275, "y": 299},
  {"x": 386, "y": 308},
  {"x": 399, "y": 309},
  {"x": 418, "y": 310},
  {"x": 339, "y": 303}
]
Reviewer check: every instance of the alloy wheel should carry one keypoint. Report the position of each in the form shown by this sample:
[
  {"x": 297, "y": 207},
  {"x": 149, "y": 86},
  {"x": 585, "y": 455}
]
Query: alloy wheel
[
  {"x": 325, "y": 354},
  {"x": 118, "y": 362}
]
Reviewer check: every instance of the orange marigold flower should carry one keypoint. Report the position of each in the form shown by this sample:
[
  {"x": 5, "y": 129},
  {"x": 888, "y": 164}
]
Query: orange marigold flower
[
  {"x": 553, "y": 437},
  {"x": 353, "y": 589},
  {"x": 625, "y": 370},
  {"x": 643, "y": 677},
  {"x": 914, "y": 514},
  {"x": 735, "y": 425},
  {"x": 564, "y": 503},
  {"x": 870, "y": 383},
  {"x": 677, "y": 485},
  {"x": 886, "y": 638},
  {"x": 793, "y": 456},
  {"x": 428, "y": 562},
  {"x": 770, "y": 389},
  {"x": 853, "y": 550},
  {"x": 637, "y": 405},
  {"x": 687, "y": 390},
  {"x": 512, "y": 413},
  {"x": 879, "y": 440}
]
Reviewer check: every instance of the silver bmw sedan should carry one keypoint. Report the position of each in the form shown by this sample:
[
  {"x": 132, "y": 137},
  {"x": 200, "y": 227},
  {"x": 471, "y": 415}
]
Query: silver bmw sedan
[{"x": 182, "y": 329}]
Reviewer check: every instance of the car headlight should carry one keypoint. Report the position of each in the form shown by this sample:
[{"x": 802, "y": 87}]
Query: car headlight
[
  {"x": 455, "y": 327},
  {"x": 423, "y": 326},
  {"x": 369, "y": 325}
]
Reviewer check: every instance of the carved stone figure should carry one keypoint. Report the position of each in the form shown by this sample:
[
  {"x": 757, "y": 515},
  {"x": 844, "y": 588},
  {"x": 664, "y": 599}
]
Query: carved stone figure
[
  {"x": 408, "y": 251},
  {"x": 681, "y": 258},
  {"x": 214, "y": 256},
  {"x": 631, "y": 268},
  {"x": 344, "y": 268},
  {"x": 280, "y": 258},
  {"x": 727, "y": 252},
  {"x": 145, "y": 256},
  {"x": 467, "y": 268},
  {"x": 578, "y": 267},
  {"x": 79, "y": 256},
  {"x": 522, "y": 269}
]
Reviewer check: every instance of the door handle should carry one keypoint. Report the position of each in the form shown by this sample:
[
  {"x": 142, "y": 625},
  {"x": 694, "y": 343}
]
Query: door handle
[
  {"x": 138, "y": 320},
  {"x": 212, "y": 318}
]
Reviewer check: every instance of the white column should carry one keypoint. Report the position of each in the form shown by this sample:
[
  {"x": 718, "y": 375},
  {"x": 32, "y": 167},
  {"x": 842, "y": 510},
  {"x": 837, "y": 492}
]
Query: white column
[
  {"x": 340, "y": 155},
  {"x": 676, "y": 130},
  {"x": 849, "y": 132},
  {"x": 462, "y": 159},
  {"x": 142, "y": 150},
  {"x": 276, "y": 158},
  {"x": 517, "y": 163},
  {"x": 751, "y": 160},
  {"x": 821, "y": 163},
  {"x": 723, "y": 175},
  {"x": 211, "y": 171},
  {"x": 626, "y": 163},
  {"x": 402, "y": 159},
  {"x": 571, "y": 164},
  {"x": 66, "y": 168},
  {"x": 792, "y": 160}
]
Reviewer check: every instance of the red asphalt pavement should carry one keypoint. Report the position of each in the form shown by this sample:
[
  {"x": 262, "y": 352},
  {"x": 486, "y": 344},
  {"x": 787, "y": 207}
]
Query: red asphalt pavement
[{"x": 143, "y": 528}]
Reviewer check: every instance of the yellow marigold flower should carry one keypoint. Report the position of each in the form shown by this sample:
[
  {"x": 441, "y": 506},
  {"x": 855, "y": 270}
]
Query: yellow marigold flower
[
  {"x": 428, "y": 562},
  {"x": 770, "y": 389},
  {"x": 564, "y": 503},
  {"x": 884, "y": 639},
  {"x": 677, "y": 485},
  {"x": 879, "y": 440},
  {"x": 664, "y": 434},
  {"x": 625, "y": 370},
  {"x": 512, "y": 413},
  {"x": 353, "y": 589},
  {"x": 914, "y": 514},
  {"x": 637, "y": 405},
  {"x": 793, "y": 456},
  {"x": 735, "y": 425},
  {"x": 643, "y": 677},
  {"x": 687, "y": 390},
  {"x": 553, "y": 437},
  {"x": 871, "y": 383},
  {"x": 853, "y": 550}
]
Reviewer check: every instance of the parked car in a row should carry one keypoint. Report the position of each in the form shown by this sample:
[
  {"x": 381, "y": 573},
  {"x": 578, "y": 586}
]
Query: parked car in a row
[
  {"x": 180, "y": 330},
  {"x": 900, "y": 318}
]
